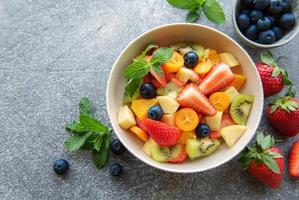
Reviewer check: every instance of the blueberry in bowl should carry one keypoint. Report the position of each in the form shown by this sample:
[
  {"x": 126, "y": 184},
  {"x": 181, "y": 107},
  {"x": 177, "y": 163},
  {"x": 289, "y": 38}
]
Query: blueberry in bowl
[{"x": 266, "y": 23}]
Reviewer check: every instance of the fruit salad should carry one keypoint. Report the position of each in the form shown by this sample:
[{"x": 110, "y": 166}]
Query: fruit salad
[{"x": 183, "y": 101}]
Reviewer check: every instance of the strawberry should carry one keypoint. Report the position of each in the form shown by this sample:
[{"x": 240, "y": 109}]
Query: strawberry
[
  {"x": 273, "y": 77},
  {"x": 283, "y": 114},
  {"x": 192, "y": 97},
  {"x": 226, "y": 120},
  {"x": 160, "y": 78},
  {"x": 264, "y": 161},
  {"x": 161, "y": 133},
  {"x": 215, "y": 135},
  {"x": 180, "y": 158},
  {"x": 178, "y": 82},
  {"x": 219, "y": 77},
  {"x": 294, "y": 160},
  {"x": 169, "y": 75},
  {"x": 140, "y": 124},
  {"x": 150, "y": 79}
]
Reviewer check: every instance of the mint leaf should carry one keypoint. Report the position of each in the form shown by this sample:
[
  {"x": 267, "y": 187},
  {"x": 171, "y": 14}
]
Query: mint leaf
[
  {"x": 75, "y": 127},
  {"x": 132, "y": 85},
  {"x": 161, "y": 56},
  {"x": 214, "y": 11},
  {"x": 193, "y": 15},
  {"x": 158, "y": 70},
  {"x": 75, "y": 142},
  {"x": 107, "y": 140},
  {"x": 85, "y": 107},
  {"x": 92, "y": 125},
  {"x": 100, "y": 158},
  {"x": 271, "y": 163},
  {"x": 97, "y": 143},
  {"x": 268, "y": 59},
  {"x": 184, "y": 4},
  {"x": 144, "y": 53},
  {"x": 137, "y": 69}
]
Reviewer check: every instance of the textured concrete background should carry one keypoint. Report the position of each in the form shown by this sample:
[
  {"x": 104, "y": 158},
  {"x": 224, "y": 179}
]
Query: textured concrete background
[{"x": 52, "y": 52}]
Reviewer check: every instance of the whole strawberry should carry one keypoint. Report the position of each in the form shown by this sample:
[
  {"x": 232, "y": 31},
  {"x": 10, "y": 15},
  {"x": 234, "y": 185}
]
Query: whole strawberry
[
  {"x": 264, "y": 161},
  {"x": 273, "y": 77},
  {"x": 283, "y": 114}
]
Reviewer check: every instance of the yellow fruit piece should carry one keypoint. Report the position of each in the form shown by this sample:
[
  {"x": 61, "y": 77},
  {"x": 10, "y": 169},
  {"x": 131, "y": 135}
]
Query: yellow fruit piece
[
  {"x": 185, "y": 136},
  {"x": 229, "y": 59},
  {"x": 169, "y": 119},
  {"x": 238, "y": 82},
  {"x": 125, "y": 117},
  {"x": 186, "y": 119},
  {"x": 220, "y": 101},
  {"x": 141, "y": 106},
  {"x": 175, "y": 63},
  {"x": 212, "y": 56},
  {"x": 203, "y": 67},
  {"x": 141, "y": 134}
]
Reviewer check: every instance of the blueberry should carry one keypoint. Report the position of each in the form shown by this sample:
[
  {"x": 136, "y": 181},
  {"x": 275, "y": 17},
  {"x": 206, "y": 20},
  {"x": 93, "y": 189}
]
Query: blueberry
[
  {"x": 202, "y": 130},
  {"x": 191, "y": 59},
  {"x": 278, "y": 32},
  {"x": 243, "y": 21},
  {"x": 286, "y": 6},
  {"x": 267, "y": 37},
  {"x": 255, "y": 15},
  {"x": 148, "y": 90},
  {"x": 61, "y": 166},
  {"x": 272, "y": 19},
  {"x": 275, "y": 7},
  {"x": 117, "y": 147},
  {"x": 115, "y": 169},
  {"x": 287, "y": 21},
  {"x": 251, "y": 32},
  {"x": 155, "y": 113},
  {"x": 263, "y": 23},
  {"x": 261, "y": 4},
  {"x": 246, "y": 12},
  {"x": 246, "y": 3}
]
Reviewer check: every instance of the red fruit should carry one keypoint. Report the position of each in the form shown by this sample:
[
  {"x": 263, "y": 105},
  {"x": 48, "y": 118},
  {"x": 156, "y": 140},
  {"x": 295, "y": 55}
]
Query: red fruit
[
  {"x": 161, "y": 133},
  {"x": 219, "y": 77},
  {"x": 191, "y": 97},
  {"x": 283, "y": 114},
  {"x": 226, "y": 120},
  {"x": 195, "y": 78},
  {"x": 215, "y": 135},
  {"x": 294, "y": 160},
  {"x": 264, "y": 161},
  {"x": 150, "y": 79},
  {"x": 160, "y": 78},
  {"x": 140, "y": 124},
  {"x": 178, "y": 82},
  {"x": 180, "y": 158},
  {"x": 169, "y": 75}
]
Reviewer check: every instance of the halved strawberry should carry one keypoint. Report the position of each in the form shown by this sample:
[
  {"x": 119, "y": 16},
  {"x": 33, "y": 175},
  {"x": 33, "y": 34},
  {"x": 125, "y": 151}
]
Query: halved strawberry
[
  {"x": 140, "y": 124},
  {"x": 180, "y": 158},
  {"x": 219, "y": 77},
  {"x": 177, "y": 81},
  {"x": 226, "y": 120},
  {"x": 215, "y": 135},
  {"x": 161, "y": 133},
  {"x": 192, "y": 97},
  {"x": 294, "y": 160},
  {"x": 159, "y": 78}
]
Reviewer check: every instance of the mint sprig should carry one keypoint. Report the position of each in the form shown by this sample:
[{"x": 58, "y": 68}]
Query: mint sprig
[
  {"x": 89, "y": 132},
  {"x": 211, "y": 8}
]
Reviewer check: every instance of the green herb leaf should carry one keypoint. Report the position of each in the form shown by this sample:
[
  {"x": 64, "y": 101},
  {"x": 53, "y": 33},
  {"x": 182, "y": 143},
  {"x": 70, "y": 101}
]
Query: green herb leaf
[
  {"x": 268, "y": 59},
  {"x": 214, "y": 11},
  {"x": 132, "y": 85},
  {"x": 193, "y": 15},
  {"x": 144, "y": 53},
  {"x": 100, "y": 158},
  {"x": 158, "y": 70},
  {"x": 201, "y": 2},
  {"x": 75, "y": 127},
  {"x": 107, "y": 140},
  {"x": 97, "y": 143},
  {"x": 137, "y": 69},
  {"x": 85, "y": 107},
  {"x": 184, "y": 4},
  {"x": 161, "y": 56},
  {"x": 75, "y": 142},
  {"x": 91, "y": 124},
  {"x": 271, "y": 163}
]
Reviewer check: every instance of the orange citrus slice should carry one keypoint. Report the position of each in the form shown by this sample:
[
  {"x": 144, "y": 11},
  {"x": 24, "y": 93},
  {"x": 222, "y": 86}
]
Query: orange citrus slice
[
  {"x": 203, "y": 67},
  {"x": 175, "y": 63},
  {"x": 212, "y": 56},
  {"x": 220, "y": 101},
  {"x": 186, "y": 119}
]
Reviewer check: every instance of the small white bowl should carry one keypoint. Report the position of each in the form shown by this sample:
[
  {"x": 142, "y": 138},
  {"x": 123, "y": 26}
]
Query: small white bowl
[
  {"x": 284, "y": 40},
  {"x": 166, "y": 35}
]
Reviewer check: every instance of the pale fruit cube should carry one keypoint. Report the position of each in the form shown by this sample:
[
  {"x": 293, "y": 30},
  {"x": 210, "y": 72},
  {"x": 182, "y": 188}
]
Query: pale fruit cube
[
  {"x": 148, "y": 145},
  {"x": 231, "y": 134},
  {"x": 214, "y": 121},
  {"x": 168, "y": 104},
  {"x": 229, "y": 59},
  {"x": 169, "y": 119},
  {"x": 125, "y": 117},
  {"x": 184, "y": 74},
  {"x": 231, "y": 92}
]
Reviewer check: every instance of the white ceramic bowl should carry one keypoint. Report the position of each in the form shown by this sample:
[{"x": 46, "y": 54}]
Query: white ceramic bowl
[{"x": 166, "y": 35}]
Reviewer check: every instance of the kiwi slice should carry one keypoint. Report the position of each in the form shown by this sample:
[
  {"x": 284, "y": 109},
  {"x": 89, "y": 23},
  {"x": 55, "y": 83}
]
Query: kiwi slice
[
  {"x": 184, "y": 47},
  {"x": 163, "y": 154},
  {"x": 240, "y": 108},
  {"x": 203, "y": 147},
  {"x": 171, "y": 89}
]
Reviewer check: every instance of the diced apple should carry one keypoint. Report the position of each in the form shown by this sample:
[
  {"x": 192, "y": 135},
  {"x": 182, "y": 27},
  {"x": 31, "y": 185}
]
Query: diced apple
[
  {"x": 168, "y": 104},
  {"x": 229, "y": 59},
  {"x": 148, "y": 145},
  {"x": 231, "y": 134},
  {"x": 184, "y": 74},
  {"x": 231, "y": 92},
  {"x": 214, "y": 121},
  {"x": 169, "y": 119},
  {"x": 125, "y": 117}
]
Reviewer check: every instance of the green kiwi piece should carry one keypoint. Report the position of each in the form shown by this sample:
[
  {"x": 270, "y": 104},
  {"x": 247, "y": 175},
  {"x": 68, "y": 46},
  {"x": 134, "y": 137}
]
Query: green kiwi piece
[
  {"x": 240, "y": 108},
  {"x": 203, "y": 147},
  {"x": 171, "y": 89},
  {"x": 184, "y": 47},
  {"x": 163, "y": 154}
]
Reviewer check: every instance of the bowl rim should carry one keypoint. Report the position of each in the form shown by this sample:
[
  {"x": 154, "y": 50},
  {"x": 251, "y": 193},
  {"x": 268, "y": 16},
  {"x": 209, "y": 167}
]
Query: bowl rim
[
  {"x": 152, "y": 163},
  {"x": 255, "y": 44}
]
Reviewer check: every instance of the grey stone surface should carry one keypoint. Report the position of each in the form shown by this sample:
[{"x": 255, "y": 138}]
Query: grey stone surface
[{"x": 52, "y": 52}]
